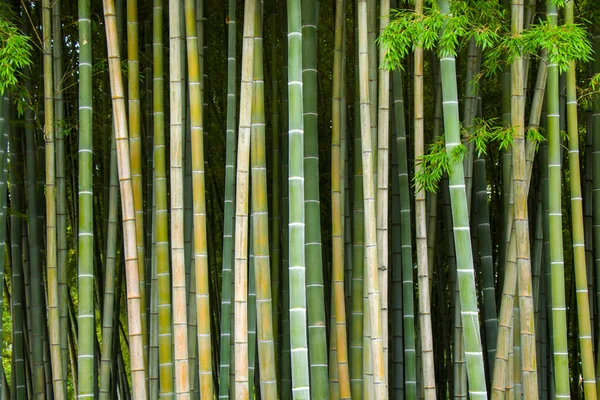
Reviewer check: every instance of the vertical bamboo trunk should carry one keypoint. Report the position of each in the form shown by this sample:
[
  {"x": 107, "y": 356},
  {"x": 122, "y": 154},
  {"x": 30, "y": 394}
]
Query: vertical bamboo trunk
[
  {"x": 371, "y": 265},
  {"x": 527, "y": 321},
  {"x": 297, "y": 266},
  {"x": 61, "y": 191},
  {"x": 358, "y": 252},
  {"x": 426, "y": 334},
  {"x": 16, "y": 257},
  {"x": 559, "y": 319},
  {"x": 138, "y": 372},
  {"x": 462, "y": 237},
  {"x": 338, "y": 308},
  {"x": 165, "y": 329},
  {"x": 226, "y": 294},
  {"x": 407, "y": 299},
  {"x": 581, "y": 285},
  {"x": 51, "y": 234},
  {"x": 108, "y": 319},
  {"x": 4, "y": 113},
  {"x": 241, "y": 209},
  {"x": 199, "y": 208},
  {"x": 382, "y": 159},
  {"x": 317, "y": 334},
  {"x": 135, "y": 143},
  {"x": 260, "y": 223},
  {"x": 596, "y": 190},
  {"x": 180, "y": 324}
]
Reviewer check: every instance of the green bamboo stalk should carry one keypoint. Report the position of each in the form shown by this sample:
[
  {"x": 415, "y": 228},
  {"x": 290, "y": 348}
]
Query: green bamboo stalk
[
  {"x": 559, "y": 321},
  {"x": 260, "y": 222},
  {"x": 165, "y": 339},
  {"x": 108, "y": 319},
  {"x": 460, "y": 216},
  {"x": 371, "y": 266},
  {"x": 148, "y": 211},
  {"x": 358, "y": 253},
  {"x": 180, "y": 324},
  {"x": 382, "y": 182},
  {"x": 527, "y": 320},
  {"x": 581, "y": 285},
  {"x": 4, "y": 115},
  {"x": 241, "y": 209},
  {"x": 138, "y": 371},
  {"x": 426, "y": 334},
  {"x": 314, "y": 269},
  {"x": 285, "y": 366},
  {"x": 225, "y": 343},
  {"x": 275, "y": 249},
  {"x": 135, "y": 143},
  {"x": 338, "y": 307},
  {"x": 16, "y": 257},
  {"x": 596, "y": 187},
  {"x": 297, "y": 264},
  {"x": 410, "y": 370},
  {"x": 61, "y": 191},
  {"x": 396, "y": 380},
  {"x": 51, "y": 235}
]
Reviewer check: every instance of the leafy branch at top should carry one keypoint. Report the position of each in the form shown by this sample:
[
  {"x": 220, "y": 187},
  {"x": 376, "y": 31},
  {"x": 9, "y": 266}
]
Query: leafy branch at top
[{"x": 15, "y": 51}]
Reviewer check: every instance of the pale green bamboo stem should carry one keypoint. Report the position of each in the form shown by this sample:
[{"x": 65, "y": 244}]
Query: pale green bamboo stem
[
  {"x": 426, "y": 334},
  {"x": 225, "y": 350},
  {"x": 371, "y": 266},
  {"x": 382, "y": 182},
  {"x": 106, "y": 363},
  {"x": 199, "y": 207},
  {"x": 138, "y": 372},
  {"x": 241, "y": 209},
  {"x": 462, "y": 237},
  {"x": 165, "y": 328},
  {"x": 180, "y": 324},
  {"x": 297, "y": 260},
  {"x": 61, "y": 191},
  {"x": 260, "y": 223},
  {"x": 581, "y": 285},
  {"x": 559, "y": 320},
  {"x": 135, "y": 143},
  {"x": 51, "y": 230}
]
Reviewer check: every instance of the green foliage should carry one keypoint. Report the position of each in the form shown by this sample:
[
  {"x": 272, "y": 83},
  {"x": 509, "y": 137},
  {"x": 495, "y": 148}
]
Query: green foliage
[
  {"x": 589, "y": 94},
  {"x": 558, "y": 44},
  {"x": 481, "y": 20},
  {"x": 15, "y": 51},
  {"x": 436, "y": 163},
  {"x": 485, "y": 132}
]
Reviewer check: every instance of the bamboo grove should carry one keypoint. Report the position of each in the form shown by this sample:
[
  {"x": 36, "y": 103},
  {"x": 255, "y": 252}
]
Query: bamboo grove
[{"x": 209, "y": 199}]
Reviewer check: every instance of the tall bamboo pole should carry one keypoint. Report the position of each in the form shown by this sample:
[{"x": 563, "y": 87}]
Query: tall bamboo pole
[
  {"x": 165, "y": 329},
  {"x": 226, "y": 294},
  {"x": 581, "y": 285},
  {"x": 559, "y": 318},
  {"x": 315, "y": 293},
  {"x": 138, "y": 372},
  {"x": 383, "y": 163},
  {"x": 260, "y": 222},
  {"x": 426, "y": 334},
  {"x": 51, "y": 234},
  {"x": 462, "y": 237},
  {"x": 135, "y": 143},
  {"x": 180, "y": 323},
  {"x": 337, "y": 240},
  {"x": 108, "y": 325},
  {"x": 371, "y": 266},
  {"x": 61, "y": 190},
  {"x": 241, "y": 209},
  {"x": 199, "y": 207},
  {"x": 297, "y": 265},
  {"x": 527, "y": 320}
]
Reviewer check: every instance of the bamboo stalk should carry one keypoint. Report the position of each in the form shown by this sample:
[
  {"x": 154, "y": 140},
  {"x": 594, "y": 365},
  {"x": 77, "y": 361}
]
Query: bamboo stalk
[{"x": 138, "y": 372}]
